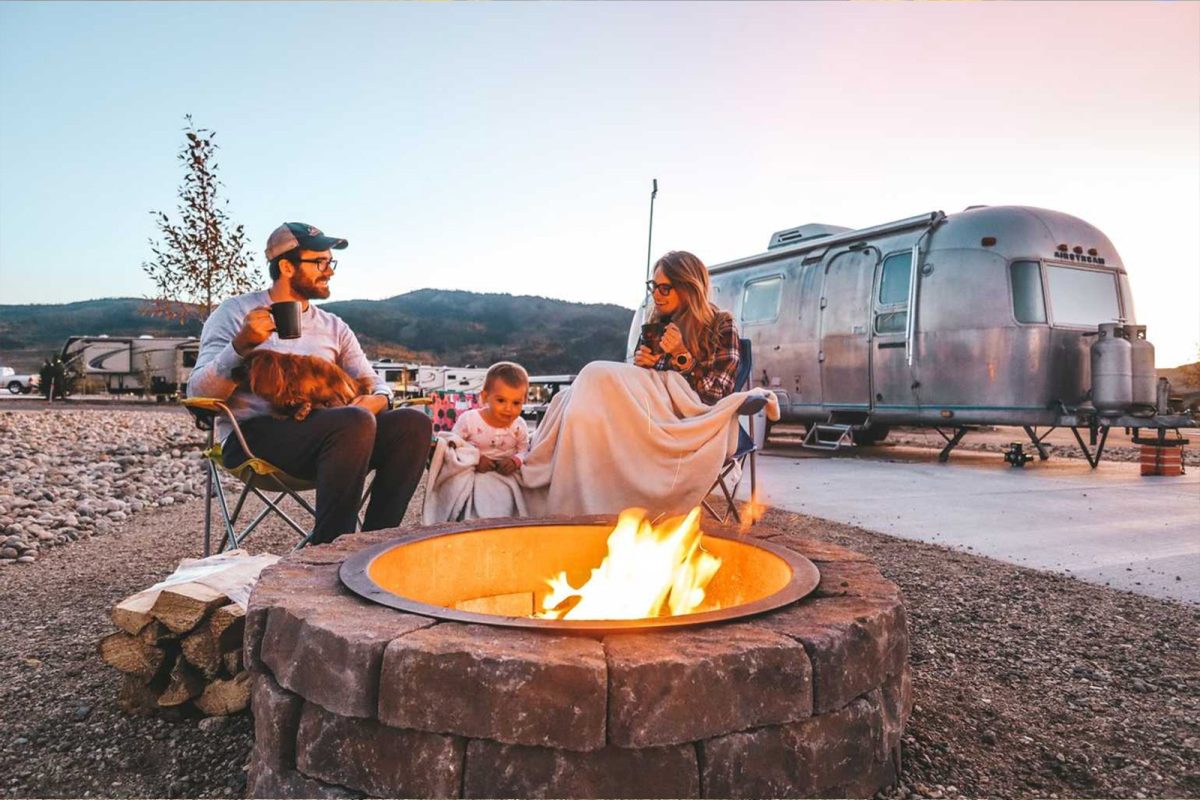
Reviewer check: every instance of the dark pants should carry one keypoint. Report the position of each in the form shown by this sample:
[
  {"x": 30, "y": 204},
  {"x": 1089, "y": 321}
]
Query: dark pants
[{"x": 335, "y": 448}]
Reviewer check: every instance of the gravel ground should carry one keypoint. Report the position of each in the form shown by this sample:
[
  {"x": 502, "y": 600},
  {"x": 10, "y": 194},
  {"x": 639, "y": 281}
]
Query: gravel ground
[{"x": 1026, "y": 684}]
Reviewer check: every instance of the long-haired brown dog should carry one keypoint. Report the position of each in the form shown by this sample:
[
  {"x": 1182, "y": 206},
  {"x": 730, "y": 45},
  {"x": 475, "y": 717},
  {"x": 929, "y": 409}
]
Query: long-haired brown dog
[{"x": 295, "y": 385}]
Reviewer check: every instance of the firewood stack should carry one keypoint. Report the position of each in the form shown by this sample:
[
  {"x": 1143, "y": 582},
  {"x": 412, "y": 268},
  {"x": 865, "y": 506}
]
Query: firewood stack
[{"x": 179, "y": 648}]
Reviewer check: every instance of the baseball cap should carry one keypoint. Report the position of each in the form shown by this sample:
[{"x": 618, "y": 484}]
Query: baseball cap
[{"x": 291, "y": 235}]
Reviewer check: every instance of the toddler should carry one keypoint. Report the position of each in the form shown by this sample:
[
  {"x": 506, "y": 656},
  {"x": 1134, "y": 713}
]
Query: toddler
[{"x": 497, "y": 428}]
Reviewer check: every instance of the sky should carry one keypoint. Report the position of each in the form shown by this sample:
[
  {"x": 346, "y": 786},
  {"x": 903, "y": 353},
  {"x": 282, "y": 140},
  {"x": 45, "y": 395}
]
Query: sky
[{"x": 510, "y": 147}]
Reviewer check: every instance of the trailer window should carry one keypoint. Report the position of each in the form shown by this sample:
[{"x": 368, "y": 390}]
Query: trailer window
[
  {"x": 1028, "y": 303},
  {"x": 760, "y": 303},
  {"x": 892, "y": 322},
  {"x": 1082, "y": 297},
  {"x": 189, "y": 358},
  {"x": 893, "y": 284}
]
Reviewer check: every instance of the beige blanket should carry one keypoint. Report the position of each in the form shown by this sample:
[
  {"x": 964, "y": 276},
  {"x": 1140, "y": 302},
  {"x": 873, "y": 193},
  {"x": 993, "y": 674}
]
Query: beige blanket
[
  {"x": 454, "y": 491},
  {"x": 622, "y": 436}
]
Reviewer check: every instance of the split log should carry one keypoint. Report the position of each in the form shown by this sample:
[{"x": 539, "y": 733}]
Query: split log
[
  {"x": 223, "y": 696},
  {"x": 133, "y": 613},
  {"x": 182, "y": 607},
  {"x": 185, "y": 684},
  {"x": 233, "y": 662},
  {"x": 228, "y": 625},
  {"x": 137, "y": 697},
  {"x": 130, "y": 654},
  {"x": 156, "y": 635}
]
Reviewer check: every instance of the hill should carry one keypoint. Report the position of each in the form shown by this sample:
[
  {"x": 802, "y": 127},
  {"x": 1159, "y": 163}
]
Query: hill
[{"x": 448, "y": 327}]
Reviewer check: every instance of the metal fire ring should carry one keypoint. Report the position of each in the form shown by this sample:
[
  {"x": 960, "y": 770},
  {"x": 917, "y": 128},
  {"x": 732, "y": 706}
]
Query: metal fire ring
[{"x": 355, "y": 574}]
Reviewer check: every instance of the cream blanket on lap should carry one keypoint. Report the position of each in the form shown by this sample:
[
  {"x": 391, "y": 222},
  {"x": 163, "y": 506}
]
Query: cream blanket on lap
[
  {"x": 454, "y": 491},
  {"x": 623, "y": 436}
]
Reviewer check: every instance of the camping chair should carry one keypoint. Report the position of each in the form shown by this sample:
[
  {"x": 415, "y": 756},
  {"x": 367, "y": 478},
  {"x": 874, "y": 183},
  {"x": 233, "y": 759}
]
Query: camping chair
[
  {"x": 747, "y": 447},
  {"x": 257, "y": 476}
]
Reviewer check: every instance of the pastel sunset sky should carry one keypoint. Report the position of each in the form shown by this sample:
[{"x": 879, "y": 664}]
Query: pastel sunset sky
[{"x": 509, "y": 147}]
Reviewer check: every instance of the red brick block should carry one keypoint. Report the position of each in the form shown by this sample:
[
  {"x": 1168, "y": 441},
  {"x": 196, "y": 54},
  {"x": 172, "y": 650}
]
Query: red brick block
[
  {"x": 517, "y": 687},
  {"x": 854, "y": 643},
  {"x": 503, "y": 770},
  {"x": 372, "y": 758},
  {"x": 276, "y": 719},
  {"x": 681, "y": 686},
  {"x": 831, "y": 755},
  {"x": 328, "y": 649}
]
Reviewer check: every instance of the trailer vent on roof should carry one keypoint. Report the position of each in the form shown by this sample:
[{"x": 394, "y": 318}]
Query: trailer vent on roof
[{"x": 803, "y": 233}]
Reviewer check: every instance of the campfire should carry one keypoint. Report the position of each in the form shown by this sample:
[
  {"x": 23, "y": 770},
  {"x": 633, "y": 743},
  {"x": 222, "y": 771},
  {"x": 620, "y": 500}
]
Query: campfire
[{"x": 640, "y": 573}]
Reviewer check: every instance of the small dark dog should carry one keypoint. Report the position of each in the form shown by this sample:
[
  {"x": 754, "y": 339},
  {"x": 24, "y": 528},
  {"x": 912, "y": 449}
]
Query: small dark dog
[{"x": 295, "y": 385}]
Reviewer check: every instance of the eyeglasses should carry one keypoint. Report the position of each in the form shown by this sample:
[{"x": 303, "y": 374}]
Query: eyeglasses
[
  {"x": 660, "y": 289},
  {"x": 323, "y": 264}
]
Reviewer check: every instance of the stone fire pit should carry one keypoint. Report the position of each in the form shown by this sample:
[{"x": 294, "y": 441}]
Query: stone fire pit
[{"x": 354, "y": 698}]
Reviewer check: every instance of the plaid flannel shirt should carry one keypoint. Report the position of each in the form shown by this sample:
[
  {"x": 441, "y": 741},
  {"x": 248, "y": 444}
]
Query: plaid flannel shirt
[{"x": 715, "y": 377}]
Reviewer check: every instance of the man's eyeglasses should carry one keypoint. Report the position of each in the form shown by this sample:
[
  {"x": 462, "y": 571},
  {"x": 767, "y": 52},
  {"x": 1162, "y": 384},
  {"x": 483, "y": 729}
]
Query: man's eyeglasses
[
  {"x": 323, "y": 264},
  {"x": 660, "y": 289}
]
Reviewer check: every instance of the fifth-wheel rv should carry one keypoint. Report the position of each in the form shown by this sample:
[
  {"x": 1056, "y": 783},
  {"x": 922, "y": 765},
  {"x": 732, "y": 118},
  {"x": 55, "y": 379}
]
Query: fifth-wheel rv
[
  {"x": 142, "y": 365},
  {"x": 992, "y": 316}
]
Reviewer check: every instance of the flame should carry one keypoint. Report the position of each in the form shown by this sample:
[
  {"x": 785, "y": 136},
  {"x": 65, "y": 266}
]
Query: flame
[
  {"x": 649, "y": 571},
  {"x": 752, "y": 513}
]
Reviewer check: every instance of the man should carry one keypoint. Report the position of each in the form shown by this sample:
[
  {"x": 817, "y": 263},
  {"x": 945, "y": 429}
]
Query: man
[{"x": 334, "y": 447}]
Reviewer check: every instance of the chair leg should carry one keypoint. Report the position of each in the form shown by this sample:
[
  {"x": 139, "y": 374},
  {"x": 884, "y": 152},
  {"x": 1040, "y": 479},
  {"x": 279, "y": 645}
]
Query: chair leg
[
  {"x": 208, "y": 501},
  {"x": 273, "y": 505}
]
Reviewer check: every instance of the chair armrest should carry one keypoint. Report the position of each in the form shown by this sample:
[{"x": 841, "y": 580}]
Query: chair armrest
[{"x": 208, "y": 408}]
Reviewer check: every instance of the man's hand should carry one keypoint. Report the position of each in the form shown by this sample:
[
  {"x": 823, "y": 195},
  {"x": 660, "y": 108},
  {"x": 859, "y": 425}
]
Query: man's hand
[
  {"x": 644, "y": 357},
  {"x": 508, "y": 466},
  {"x": 374, "y": 403},
  {"x": 257, "y": 326},
  {"x": 485, "y": 464},
  {"x": 672, "y": 340}
]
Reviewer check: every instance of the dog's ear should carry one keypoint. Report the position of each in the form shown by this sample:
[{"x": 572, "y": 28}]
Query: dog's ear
[{"x": 268, "y": 376}]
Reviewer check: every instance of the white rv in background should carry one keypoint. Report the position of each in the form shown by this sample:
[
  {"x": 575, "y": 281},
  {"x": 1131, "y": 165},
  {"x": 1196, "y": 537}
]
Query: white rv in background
[{"x": 142, "y": 365}]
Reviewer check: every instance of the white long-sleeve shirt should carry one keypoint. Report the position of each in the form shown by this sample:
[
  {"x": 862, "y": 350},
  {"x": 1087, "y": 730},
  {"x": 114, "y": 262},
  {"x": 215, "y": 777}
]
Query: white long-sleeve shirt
[{"x": 321, "y": 334}]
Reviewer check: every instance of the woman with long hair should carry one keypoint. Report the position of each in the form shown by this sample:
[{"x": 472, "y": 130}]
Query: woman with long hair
[
  {"x": 698, "y": 340},
  {"x": 652, "y": 434}
]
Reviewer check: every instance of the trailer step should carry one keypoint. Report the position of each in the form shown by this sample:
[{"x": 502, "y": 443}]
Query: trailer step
[{"x": 828, "y": 436}]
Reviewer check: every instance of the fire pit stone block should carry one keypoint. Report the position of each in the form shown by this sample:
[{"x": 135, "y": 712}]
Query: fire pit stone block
[
  {"x": 682, "y": 686},
  {"x": 329, "y": 649},
  {"x": 281, "y": 584},
  {"x": 516, "y": 687},
  {"x": 378, "y": 760},
  {"x": 854, "y": 643},
  {"x": 267, "y": 781},
  {"x": 502, "y": 770},
  {"x": 276, "y": 720},
  {"x": 830, "y": 755}
]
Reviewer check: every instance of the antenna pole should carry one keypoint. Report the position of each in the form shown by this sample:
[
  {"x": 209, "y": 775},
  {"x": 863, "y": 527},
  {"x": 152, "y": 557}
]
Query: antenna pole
[{"x": 650, "y": 236}]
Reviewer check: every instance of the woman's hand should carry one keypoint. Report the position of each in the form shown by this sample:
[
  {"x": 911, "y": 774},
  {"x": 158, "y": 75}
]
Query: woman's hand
[
  {"x": 672, "y": 340},
  {"x": 645, "y": 358}
]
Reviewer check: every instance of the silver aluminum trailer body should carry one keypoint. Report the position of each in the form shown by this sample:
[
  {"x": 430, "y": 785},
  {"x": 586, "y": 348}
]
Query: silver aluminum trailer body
[
  {"x": 1007, "y": 301},
  {"x": 144, "y": 365}
]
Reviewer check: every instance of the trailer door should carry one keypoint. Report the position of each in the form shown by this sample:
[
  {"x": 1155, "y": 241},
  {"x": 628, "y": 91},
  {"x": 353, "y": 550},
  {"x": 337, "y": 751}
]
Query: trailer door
[{"x": 845, "y": 329}]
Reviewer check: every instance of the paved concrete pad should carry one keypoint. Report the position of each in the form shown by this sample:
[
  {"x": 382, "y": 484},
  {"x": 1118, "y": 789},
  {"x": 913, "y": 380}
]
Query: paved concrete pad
[{"x": 1108, "y": 526}]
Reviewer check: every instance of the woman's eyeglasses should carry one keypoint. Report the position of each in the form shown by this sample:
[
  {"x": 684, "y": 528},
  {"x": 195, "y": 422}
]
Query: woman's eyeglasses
[
  {"x": 323, "y": 264},
  {"x": 660, "y": 289}
]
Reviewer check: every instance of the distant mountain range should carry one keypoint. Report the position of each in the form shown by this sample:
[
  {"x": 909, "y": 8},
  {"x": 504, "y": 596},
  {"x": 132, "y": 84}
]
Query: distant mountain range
[{"x": 429, "y": 325}]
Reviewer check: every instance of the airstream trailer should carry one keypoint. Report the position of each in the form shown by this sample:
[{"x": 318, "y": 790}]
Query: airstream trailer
[{"x": 984, "y": 317}]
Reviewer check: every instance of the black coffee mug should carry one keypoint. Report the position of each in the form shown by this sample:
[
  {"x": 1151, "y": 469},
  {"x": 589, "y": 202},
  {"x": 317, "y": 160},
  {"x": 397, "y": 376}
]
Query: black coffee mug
[
  {"x": 652, "y": 333},
  {"x": 287, "y": 319}
]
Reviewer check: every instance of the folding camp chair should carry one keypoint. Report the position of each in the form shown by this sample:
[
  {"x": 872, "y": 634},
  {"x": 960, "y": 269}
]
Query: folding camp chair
[
  {"x": 747, "y": 447},
  {"x": 257, "y": 476}
]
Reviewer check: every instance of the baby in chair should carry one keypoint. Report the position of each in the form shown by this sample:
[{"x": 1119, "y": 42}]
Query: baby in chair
[{"x": 497, "y": 428}]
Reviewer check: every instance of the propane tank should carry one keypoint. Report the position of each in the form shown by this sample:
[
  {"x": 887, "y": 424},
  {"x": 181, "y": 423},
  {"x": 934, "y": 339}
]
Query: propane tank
[
  {"x": 1112, "y": 370},
  {"x": 1145, "y": 379}
]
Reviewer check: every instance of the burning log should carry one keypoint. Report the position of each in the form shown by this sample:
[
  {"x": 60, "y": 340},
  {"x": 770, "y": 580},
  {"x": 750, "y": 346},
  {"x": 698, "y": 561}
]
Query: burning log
[{"x": 179, "y": 648}]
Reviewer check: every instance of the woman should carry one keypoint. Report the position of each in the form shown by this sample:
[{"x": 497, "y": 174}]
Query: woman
[
  {"x": 651, "y": 434},
  {"x": 699, "y": 339}
]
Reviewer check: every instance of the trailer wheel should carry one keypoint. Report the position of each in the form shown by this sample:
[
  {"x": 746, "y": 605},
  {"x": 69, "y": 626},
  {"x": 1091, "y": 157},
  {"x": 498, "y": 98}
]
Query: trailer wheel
[
  {"x": 865, "y": 437},
  {"x": 14, "y": 387}
]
